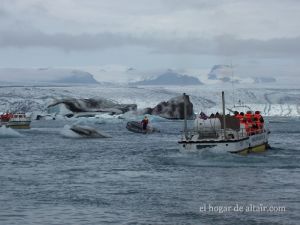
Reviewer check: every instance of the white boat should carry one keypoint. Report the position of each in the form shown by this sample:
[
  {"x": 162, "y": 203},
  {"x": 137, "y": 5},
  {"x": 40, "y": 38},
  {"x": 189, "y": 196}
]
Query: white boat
[
  {"x": 225, "y": 134},
  {"x": 15, "y": 120}
]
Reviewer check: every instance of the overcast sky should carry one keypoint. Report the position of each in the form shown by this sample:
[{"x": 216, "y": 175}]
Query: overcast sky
[{"x": 149, "y": 34}]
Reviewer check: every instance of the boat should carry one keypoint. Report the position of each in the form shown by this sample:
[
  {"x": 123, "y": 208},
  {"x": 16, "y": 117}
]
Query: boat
[
  {"x": 137, "y": 127},
  {"x": 15, "y": 120},
  {"x": 229, "y": 133}
]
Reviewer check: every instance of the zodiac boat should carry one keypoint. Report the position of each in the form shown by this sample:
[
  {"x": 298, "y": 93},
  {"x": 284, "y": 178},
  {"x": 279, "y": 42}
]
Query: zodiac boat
[
  {"x": 15, "y": 120},
  {"x": 136, "y": 127},
  {"x": 226, "y": 133}
]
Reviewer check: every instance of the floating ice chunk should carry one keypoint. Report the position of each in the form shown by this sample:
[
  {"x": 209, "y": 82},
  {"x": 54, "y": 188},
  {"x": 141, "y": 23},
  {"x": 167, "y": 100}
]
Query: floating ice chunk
[
  {"x": 98, "y": 118},
  {"x": 81, "y": 131}
]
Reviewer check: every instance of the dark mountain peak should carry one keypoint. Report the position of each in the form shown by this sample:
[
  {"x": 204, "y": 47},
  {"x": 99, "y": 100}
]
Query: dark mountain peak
[
  {"x": 77, "y": 76},
  {"x": 171, "y": 77}
]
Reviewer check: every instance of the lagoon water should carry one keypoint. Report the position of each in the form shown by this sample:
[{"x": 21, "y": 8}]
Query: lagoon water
[{"x": 144, "y": 179}]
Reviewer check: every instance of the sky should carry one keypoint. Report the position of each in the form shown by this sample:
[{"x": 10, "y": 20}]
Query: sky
[{"x": 260, "y": 36}]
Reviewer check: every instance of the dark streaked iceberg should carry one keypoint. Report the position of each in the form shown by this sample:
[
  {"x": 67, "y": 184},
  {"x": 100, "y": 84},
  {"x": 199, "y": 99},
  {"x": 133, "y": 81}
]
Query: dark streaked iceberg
[
  {"x": 172, "y": 109},
  {"x": 91, "y": 105},
  {"x": 80, "y": 131}
]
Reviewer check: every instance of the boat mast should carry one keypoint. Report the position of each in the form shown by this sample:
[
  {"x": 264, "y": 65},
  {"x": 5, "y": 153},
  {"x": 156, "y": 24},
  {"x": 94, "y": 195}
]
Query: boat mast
[
  {"x": 224, "y": 119},
  {"x": 185, "y": 116},
  {"x": 232, "y": 83}
]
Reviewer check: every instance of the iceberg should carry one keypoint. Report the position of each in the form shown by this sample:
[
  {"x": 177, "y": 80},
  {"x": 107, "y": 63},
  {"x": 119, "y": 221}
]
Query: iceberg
[
  {"x": 82, "y": 131},
  {"x": 73, "y": 105}
]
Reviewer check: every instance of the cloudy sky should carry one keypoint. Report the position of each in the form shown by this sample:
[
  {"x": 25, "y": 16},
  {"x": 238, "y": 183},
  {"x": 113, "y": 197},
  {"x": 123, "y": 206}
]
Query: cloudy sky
[{"x": 149, "y": 34}]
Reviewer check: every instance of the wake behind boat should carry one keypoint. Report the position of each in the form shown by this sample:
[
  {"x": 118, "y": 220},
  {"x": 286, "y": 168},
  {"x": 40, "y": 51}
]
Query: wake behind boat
[
  {"x": 240, "y": 133},
  {"x": 15, "y": 120}
]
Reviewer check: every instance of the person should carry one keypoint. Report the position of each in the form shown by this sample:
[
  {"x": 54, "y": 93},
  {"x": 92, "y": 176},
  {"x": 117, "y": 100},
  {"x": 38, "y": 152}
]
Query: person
[
  {"x": 249, "y": 116},
  {"x": 259, "y": 117},
  {"x": 259, "y": 120},
  {"x": 203, "y": 116},
  {"x": 239, "y": 116},
  {"x": 145, "y": 122}
]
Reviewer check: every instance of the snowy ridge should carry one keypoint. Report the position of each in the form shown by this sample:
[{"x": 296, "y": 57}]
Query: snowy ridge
[
  {"x": 21, "y": 76},
  {"x": 225, "y": 74},
  {"x": 170, "y": 77},
  {"x": 270, "y": 101}
]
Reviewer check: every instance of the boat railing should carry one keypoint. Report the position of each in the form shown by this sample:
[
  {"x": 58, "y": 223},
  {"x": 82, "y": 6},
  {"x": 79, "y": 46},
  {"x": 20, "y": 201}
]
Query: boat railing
[
  {"x": 256, "y": 131},
  {"x": 219, "y": 133}
]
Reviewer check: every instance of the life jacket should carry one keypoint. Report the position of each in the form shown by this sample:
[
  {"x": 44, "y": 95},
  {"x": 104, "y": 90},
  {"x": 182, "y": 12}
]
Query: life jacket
[
  {"x": 145, "y": 121},
  {"x": 247, "y": 128},
  {"x": 258, "y": 116},
  {"x": 245, "y": 125},
  {"x": 249, "y": 116},
  {"x": 5, "y": 117},
  {"x": 254, "y": 128},
  {"x": 259, "y": 125},
  {"x": 239, "y": 116}
]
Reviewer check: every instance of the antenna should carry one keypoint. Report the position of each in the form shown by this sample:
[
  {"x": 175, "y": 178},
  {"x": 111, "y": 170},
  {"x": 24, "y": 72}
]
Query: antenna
[
  {"x": 185, "y": 116},
  {"x": 232, "y": 84},
  {"x": 224, "y": 116}
]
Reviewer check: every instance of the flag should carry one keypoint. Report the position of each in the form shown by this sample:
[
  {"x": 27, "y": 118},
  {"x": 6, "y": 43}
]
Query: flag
[{"x": 203, "y": 116}]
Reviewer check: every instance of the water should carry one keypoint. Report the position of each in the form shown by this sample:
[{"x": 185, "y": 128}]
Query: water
[{"x": 143, "y": 179}]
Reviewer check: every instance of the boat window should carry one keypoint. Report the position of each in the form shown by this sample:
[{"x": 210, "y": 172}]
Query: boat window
[{"x": 205, "y": 146}]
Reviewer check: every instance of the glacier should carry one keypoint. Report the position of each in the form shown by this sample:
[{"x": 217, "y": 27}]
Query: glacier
[{"x": 271, "y": 101}]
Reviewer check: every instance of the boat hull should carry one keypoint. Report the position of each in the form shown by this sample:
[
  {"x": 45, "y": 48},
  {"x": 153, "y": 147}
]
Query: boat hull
[
  {"x": 16, "y": 125},
  {"x": 137, "y": 127},
  {"x": 252, "y": 144},
  {"x": 256, "y": 149},
  {"x": 19, "y": 126}
]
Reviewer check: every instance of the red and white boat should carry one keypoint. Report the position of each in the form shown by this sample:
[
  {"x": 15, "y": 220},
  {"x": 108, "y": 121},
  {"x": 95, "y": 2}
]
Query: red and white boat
[{"x": 15, "y": 120}]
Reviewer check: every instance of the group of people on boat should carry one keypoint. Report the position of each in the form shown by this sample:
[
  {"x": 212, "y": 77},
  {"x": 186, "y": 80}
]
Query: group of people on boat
[
  {"x": 253, "y": 122},
  {"x": 6, "y": 117}
]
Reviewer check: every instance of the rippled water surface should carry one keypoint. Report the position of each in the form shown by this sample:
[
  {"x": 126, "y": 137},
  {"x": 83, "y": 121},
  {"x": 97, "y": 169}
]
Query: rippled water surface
[{"x": 143, "y": 179}]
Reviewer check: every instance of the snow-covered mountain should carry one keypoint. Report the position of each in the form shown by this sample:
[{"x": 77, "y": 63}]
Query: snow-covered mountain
[
  {"x": 45, "y": 75},
  {"x": 220, "y": 72},
  {"x": 264, "y": 79},
  {"x": 225, "y": 73},
  {"x": 170, "y": 77}
]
